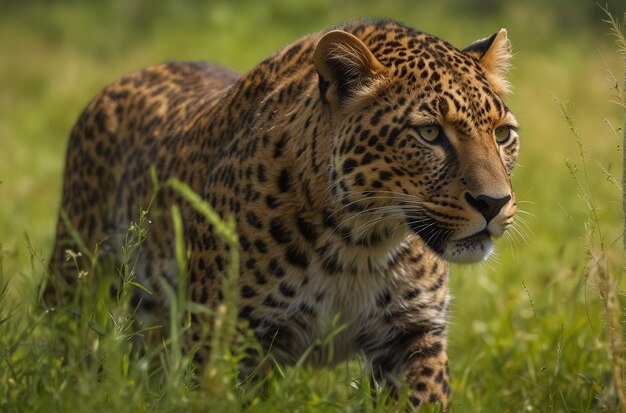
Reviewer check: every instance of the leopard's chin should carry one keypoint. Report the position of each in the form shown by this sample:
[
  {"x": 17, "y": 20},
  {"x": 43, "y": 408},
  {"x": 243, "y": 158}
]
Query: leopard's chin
[{"x": 474, "y": 248}]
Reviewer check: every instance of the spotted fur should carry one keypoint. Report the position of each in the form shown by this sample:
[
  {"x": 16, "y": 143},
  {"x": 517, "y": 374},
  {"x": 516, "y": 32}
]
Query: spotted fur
[{"x": 356, "y": 161}]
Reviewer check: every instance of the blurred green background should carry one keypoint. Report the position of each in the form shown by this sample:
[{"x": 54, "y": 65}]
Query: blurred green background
[{"x": 530, "y": 316}]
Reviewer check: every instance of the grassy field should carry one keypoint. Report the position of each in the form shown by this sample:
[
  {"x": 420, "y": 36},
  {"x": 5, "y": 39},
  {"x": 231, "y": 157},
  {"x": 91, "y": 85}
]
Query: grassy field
[{"x": 530, "y": 329}]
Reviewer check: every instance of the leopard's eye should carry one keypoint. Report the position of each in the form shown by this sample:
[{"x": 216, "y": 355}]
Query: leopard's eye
[
  {"x": 429, "y": 133},
  {"x": 503, "y": 133}
]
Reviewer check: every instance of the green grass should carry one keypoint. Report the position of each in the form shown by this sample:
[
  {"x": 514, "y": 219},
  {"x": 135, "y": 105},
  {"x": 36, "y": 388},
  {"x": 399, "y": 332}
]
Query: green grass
[{"x": 529, "y": 330}]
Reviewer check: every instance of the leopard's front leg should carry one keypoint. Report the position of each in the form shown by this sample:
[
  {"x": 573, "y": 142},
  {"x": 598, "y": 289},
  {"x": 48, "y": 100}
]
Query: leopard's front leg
[
  {"x": 414, "y": 348},
  {"x": 416, "y": 356}
]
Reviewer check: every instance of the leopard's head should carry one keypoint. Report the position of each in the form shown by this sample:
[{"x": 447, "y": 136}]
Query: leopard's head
[{"x": 422, "y": 138}]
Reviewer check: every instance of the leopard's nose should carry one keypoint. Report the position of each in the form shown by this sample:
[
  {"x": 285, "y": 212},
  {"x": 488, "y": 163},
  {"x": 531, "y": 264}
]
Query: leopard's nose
[{"x": 488, "y": 206}]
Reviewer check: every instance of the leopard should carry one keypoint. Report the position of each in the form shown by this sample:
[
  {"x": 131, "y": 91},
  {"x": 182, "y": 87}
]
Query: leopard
[{"x": 357, "y": 163}]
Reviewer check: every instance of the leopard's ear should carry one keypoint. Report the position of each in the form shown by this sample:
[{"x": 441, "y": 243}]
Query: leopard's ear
[
  {"x": 494, "y": 54},
  {"x": 346, "y": 67}
]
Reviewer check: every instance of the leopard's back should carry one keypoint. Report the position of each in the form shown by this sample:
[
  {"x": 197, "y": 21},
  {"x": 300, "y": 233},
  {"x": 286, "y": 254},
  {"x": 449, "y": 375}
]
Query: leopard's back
[{"x": 146, "y": 119}]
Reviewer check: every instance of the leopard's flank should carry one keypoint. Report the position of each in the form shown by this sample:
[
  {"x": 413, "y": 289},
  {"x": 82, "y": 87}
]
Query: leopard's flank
[{"x": 357, "y": 162}]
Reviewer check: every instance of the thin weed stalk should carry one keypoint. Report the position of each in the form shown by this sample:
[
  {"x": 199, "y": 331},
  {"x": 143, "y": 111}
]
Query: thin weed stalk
[
  {"x": 598, "y": 266},
  {"x": 221, "y": 366},
  {"x": 608, "y": 284}
]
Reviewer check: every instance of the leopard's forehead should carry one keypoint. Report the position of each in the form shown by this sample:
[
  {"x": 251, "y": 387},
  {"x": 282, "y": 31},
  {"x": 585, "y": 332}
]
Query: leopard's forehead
[
  {"x": 414, "y": 55},
  {"x": 449, "y": 85}
]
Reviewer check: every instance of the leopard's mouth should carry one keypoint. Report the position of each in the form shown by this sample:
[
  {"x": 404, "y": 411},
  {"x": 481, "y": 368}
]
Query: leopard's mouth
[
  {"x": 480, "y": 236},
  {"x": 473, "y": 248}
]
